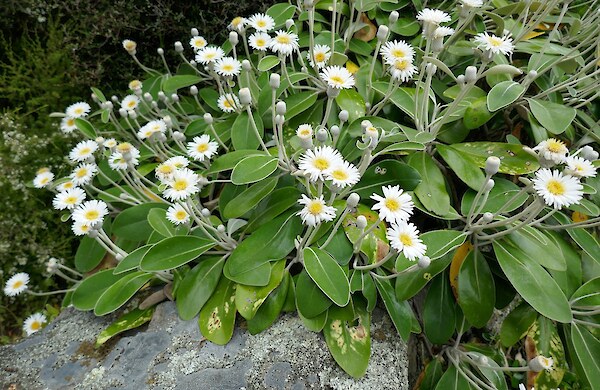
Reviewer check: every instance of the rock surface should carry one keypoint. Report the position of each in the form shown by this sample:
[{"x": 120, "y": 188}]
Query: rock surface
[{"x": 170, "y": 354}]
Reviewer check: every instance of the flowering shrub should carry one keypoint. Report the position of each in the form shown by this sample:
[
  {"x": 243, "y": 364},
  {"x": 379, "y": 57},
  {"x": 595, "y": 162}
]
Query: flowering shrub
[{"x": 318, "y": 163}]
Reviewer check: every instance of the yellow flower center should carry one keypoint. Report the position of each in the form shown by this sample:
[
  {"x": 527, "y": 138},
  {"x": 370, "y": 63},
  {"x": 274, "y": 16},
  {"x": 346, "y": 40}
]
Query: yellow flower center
[
  {"x": 131, "y": 104},
  {"x": 85, "y": 151},
  {"x": 555, "y": 187},
  {"x": 398, "y": 53},
  {"x": 91, "y": 215},
  {"x": 320, "y": 57},
  {"x": 124, "y": 147},
  {"x": 68, "y": 185},
  {"x": 35, "y": 325},
  {"x": 392, "y": 204},
  {"x": 166, "y": 169},
  {"x": 199, "y": 42},
  {"x": 401, "y": 64},
  {"x": 339, "y": 174},
  {"x": 70, "y": 122},
  {"x": 17, "y": 284},
  {"x": 81, "y": 173},
  {"x": 260, "y": 42},
  {"x": 261, "y": 23},
  {"x": 315, "y": 208},
  {"x": 555, "y": 146},
  {"x": 305, "y": 132},
  {"x": 84, "y": 228},
  {"x": 180, "y": 215},
  {"x": 71, "y": 200},
  {"x": 79, "y": 111},
  {"x": 210, "y": 56},
  {"x": 236, "y": 21},
  {"x": 44, "y": 180},
  {"x": 321, "y": 163},
  {"x": 227, "y": 103},
  {"x": 180, "y": 185},
  {"x": 283, "y": 39},
  {"x": 405, "y": 239},
  {"x": 227, "y": 68},
  {"x": 495, "y": 41},
  {"x": 336, "y": 79},
  {"x": 202, "y": 148}
]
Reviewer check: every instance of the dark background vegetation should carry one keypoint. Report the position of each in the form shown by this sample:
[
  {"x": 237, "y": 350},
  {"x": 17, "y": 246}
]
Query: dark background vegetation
[{"x": 51, "y": 53}]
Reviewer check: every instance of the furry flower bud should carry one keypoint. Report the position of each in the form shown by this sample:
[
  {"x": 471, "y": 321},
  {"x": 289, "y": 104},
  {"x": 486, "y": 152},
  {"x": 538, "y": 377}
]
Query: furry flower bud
[
  {"x": 492, "y": 165},
  {"x": 280, "y": 108},
  {"x": 352, "y": 200},
  {"x": 274, "y": 80},
  {"x": 245, "y": 96}
]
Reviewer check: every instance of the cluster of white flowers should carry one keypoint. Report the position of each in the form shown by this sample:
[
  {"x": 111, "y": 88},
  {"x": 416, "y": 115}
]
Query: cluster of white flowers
[
  {"x": 74, "y": 111},
  {"x": 400, "y": 56}
]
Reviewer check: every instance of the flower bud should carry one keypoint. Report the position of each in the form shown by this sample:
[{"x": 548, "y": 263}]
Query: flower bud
[
  {"x": 280, "y": 108},
  {"x": 178, "y": 47},
  {"x": 532, "y": 74},
  {"x": 393, "y": 18},
  {"x": 130, "y": 46},
  {"x": 160, "y": 51},
  {"x": 588, "y": 153},
  {"x": 195, "y": 32},
  {"x": 431, "y": 69},
  {"x": 246, "y": 65},
  {"x": 92, "y": 233},
  {"x": 361, "y": 222},
  {"x": 114, "y": 99},
  {"x": 368, "y": 105},
  {"x": 343, "y": 116},
  {"x": 274, "y": 80},
  {"x": 335, "y": 130},
  {"x": 483, "y": 360},
  {"x": 168, "y": 121},
  {"x": 99, "y": 140},
  {"x": 492, "y": 165},
  {"x": 208, "y": 118},
  {"x": 488, "y": 185},
  {"x": 540, "y": 363},
  {"x": 304, "y": 69},
  {"x": 279, "y": 120},
  {"x": 221, "y": 228},
  {"x": 245, "y": 96},
  {"x": 460, "y": 80},
  {"x": 233, "y": 38},
  {"x": 178, "y": 136},
  {"x": 147, "y": 97},
  {"x": 289, "y": 23},
  {"x": 193, "y": 90},
  {"x": 471, "y": 74},
  {"x": 487, "y": 217},
  {"x": 382, "y": 33},
  {"x": 175, "y": 97},
  {"x": 322, "y": 135},
  {"x": 162, "y": 96},
  {"x": 154, "y": 105},
  {"x": 122, "y": 112},
  {"x": 424, "y": 262},
  {"x": 352, "y": 200},
  {"x": 205, "y": 212}
]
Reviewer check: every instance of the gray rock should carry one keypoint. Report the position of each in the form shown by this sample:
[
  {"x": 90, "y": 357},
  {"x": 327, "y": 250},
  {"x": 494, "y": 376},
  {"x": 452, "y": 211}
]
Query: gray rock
[{"x": 172, "y": 354}]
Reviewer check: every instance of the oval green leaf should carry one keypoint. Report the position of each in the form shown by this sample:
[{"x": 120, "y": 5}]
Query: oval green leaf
[
  {"x": 503, "y": 94},
  {"x": 327, "y": 274},
  {"x": 173, "y": 252},
  {"x": 253, "y": 168},
  {"x": 120, "y": 292},
  {"x": 217, "y": 316},
  {"x": 197, "y": 286}
]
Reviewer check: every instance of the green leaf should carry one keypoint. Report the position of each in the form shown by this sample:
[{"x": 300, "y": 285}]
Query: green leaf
[
  {"x": 197, "y": 286},
  {"x": 463, "y": 166},
  {"x": 134, "y": 319},
  {"x": 132, "y": 223},
  {"x": 476, "y": 292},
  {"x": 351, "y": 101},
  {"x": 400, "y": 311},
  {"x": 276, "y": 203},
  {"x": 86, "y": 294},
  {"x": 433, "y": 373},
  {"x": 453, "y": 380},
  {"x": 231, "y": 159},
  {"x": 132, "y": 260},
  {"x": 86, "y": 128},
  {"x": 492, "y": 373},
  {"x": 570, "y": 279},
  {"x": 349, "y": 344},
  {"x": 281, "y": 12},
  {"x": 173, "y": 252},
  {"x": 272, "y": 241},
  {"x": 217, "y": 316},
  {"x": 243, "y": 135},
  {"x": 120, "y": 292},
  {"x": 477, "y": 114},
  {"x": 503, "y": 94},
  {"x": 157, "y": 218},
  {"x": 503, "y": 191},
  {"x": 533, "y": 283},
  {"x": 553, "y": 116},
  {"x": 582, "y": 237},
  {"x": 538, "y": 248},
  {"x": 588, "y": 353},
  {"x": 253, "y": 168},
  {"x": 299, "y": 102},
  {"x": 516, "y": 324},
  {"x": 248, "y": 299},
  {"x": 387, "y": 172},
  {"x": 514, "y": 161},
  {"x": 432, "y": 189},
  {"x": 409, "y": 284},
  {"x": 248, "y": 199},
  {"x": 370, "y": 243},
  {"x": 271, "y": 307},
  {"x": 89, "y": 254},
  {"x": 267, "y": 63},
  {"x": 98, "y": 94},
  {"x": 439, "y": 316},
  {"x": 173, "y": 83},
  {"x": 310, "y": 300},
  {"x": 403, "y": 98},
  {"x": 327, "y": 274},
  {"x": 441, "y": 242},
  {"x": 588, "y": 294}
]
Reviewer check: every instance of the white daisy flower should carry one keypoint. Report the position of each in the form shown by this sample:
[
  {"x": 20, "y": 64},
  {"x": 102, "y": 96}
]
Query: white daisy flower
[
  {"x": 260, "y": 41},
  {"x": 228, "y": 102},
  {"x": 80, "y": 228},
  {"x": 579, "y": 167},
  {"x": 129, "y": 45},
  {"x": 177, "y": 215},
  {"x": 130, "y": 102},
  {"x": 558, "y": 190},
  {"x": 110, "y": 143},
  {"x": 183, "y": 184},
  {"x": 305, "y": 131},
  {"x": 552, "y": 149},
  {"x": 404, "y": 237},
  {"x": 43, "y": 179},
  {"x": 494, "y": 44},
  {"x": 238, "y": 24},
  {"x": 135, "y": 85},
  {"x": 68, "y": 185},
  {"x": 344, "y": 174},
  {"x": 337, "y": 77},
  {"x": 155, "y": 126},
  {"x": 178, "y": 161},
  {"x": 472, "y": 3},
  {"x": 164, "y": 172},
  {"x": 284, "y": 42},
  {"x": 209, "y": 54},
  {"x": 68, "y": 199},
  {"x": 83, "y": 174},
  {"x": 319, "y": 161},
  {"x": 83, "y": 150},
  {"x": 16, "y": 284},
  {"x": 228, "y": 66},
  {"x": 91, "y": 212},
  {"x": 402, "y": 70},
  {"x": 33, "y": 323},
  {"x": 393, "y": 51},
  {"x": 315, "y": 211},
  {"x": 78, "y": 110},
  {"x": 321, "y": 54},
  {"x": 261, "y": 22},
  {"x": 394, "y": 206},
  {"x": 198, "y": 43},
  {"x": 442, "y": 32},
  {"x": 118, "y": 162},
  {"x": 67, "y": 125},
  {"x": 202, "y": 147},
  {"x": 433, "y": 16}
]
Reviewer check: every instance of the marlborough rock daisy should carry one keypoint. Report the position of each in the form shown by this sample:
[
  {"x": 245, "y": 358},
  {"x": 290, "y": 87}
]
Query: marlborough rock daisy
[
  {"x": 135, "y": 85},
  {"x": 304, "y": 131},
  {"x": 68, "y": 199},
  {"x": 228, "y": 66},
  {"x": 67, "y": 185},
  {"x": 238, "y": 24},
  {"x": 34, "y": 323},
  {"x": 178, "y": 161},
  {"x": 202, "y": 148},
  {"x": 154, "y": 126},
  {"x": 318, "y": 161},
  {"x": 315, "y": 211},
  {"x": 337, "y": 77},
  {"x": 321, "y": 54},
  {"x": 261, "y": 22},
  {"x": 80, "y": 228},
  {"x": 552, "y": 149},
  {"x": 78, "y": 110},
  {"x": 494, "y": 44},
  {"x": 393, "y": 51},
  {"x": 198, "y": 43},
  {"x": 579, "y": 167},
  {"x": 343, "y": 175},
  {"x": 177, "y": 215},
  {"x": 83, "y": 150},
  {"x": 209, "y": 54},
  {"x": 183, "y": 184},
  {"x": 431, "y": 19},
  {"x": 394, "y": 206},
  {"x": 43, "y": 179},
  {"x": 402, "y": 70},
  {"x": 16, "y": 284},
  {"x": 83, "y": 174},
  {"x": 228, "y": 102},
  {"x": 91, "y": 212},
  {"x": 67, "y": 125},
  {"x": 130, "y": 102},
  {"x": 557, "y": 190},
  {"x": 260, "y": 41},
  {"x": 404, "y": 237},
  {"x": 284, "y": 43},
  {"x": 119, "y": 161}
]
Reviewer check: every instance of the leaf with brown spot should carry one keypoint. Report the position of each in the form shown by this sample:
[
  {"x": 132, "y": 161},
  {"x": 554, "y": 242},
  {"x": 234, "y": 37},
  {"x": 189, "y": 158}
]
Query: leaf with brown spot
[{"x": 368, "y": 32}]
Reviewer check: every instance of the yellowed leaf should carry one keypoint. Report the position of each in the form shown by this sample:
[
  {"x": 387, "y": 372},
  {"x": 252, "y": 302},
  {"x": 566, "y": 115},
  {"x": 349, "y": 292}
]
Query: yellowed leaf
[{"x": 459, "y": 256}]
